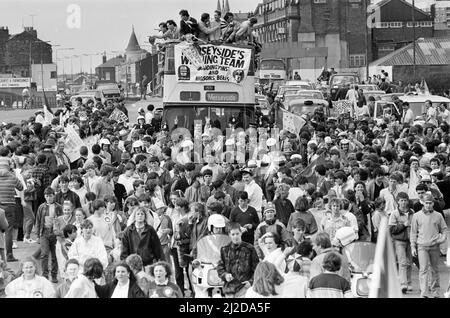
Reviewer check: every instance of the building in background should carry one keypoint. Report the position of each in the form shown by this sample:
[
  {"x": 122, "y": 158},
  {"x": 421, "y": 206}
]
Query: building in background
[
  {"x": 394, "y": 27},
  {"x": 311, "y": 34},
  {"x": 440, "y": 11},
  {"x": 107, "y": 70},
  {"x": 20, "y": 51},
  {"x": 44, "y": 75},
  {"x": 432, "y": 63}
]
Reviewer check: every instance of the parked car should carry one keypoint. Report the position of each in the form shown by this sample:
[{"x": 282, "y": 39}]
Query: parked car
[
  {"x": 110, "y": 91},
  {"x": 284, "y": 89}
]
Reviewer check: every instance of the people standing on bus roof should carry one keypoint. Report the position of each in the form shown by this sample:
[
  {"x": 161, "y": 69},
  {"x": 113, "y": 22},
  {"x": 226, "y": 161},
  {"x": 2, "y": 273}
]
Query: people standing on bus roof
[
  {"x": 245, "y": 31},
  {"x": 205, "y": 27},
  {"x": 218, "y": 21},
  {"x": 188, "y": 25}
]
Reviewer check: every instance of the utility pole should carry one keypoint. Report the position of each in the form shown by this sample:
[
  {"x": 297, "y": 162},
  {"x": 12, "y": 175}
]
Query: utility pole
[
  {"x": 414, "y": 38},
  {"x": 32, "y": 19},
  {"x": 71, "y": 68},
  {"x": 29, "y": 73},
  {"x": 367, "y": 41}
]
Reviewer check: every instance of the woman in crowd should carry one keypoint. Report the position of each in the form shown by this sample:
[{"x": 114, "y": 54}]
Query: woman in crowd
[
  {"x": 162, "y": 287},
  {"x": 123, "y": 286},
  {"x": 80, "y": 215},
  {"x": 77, "y": 186},
  {"x": 88, "y": 246},
  {"x": 334, "y": 220},
  {"x": 29, "y": 284},
  {"x": 270, "y": 245},
  {"x": 267, "y": 282},
  {"x": 113, "y": 216}
]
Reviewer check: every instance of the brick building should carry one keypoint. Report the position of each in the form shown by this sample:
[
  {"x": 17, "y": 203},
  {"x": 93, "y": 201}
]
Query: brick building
[
  {"x": 19, "y": 51},
  {"x": 393, "y": 26},
  {"x": 311, "y": 34},
  {"x": 107, "y": 70}
]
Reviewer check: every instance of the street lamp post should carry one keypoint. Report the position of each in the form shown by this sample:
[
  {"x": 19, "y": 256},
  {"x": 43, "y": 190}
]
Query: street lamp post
[{"x": 56, "y": 57}]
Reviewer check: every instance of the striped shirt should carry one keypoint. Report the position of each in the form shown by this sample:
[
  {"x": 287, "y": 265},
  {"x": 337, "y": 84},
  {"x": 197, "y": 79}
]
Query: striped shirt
[
  {"x": 8, "y": 184},
  {"x": 329, "y": 285}
]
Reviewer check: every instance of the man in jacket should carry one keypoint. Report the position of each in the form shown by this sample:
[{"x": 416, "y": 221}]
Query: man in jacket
[
  {"x": 428, "y": 230},
  {"x": 8, "y": 184},
  {"x": 400, "y": 227},
  {"x": 67, "y": 195},
  {"x": 188, "y": 25},
  {"x": 46, "y": 216},
  {"x": 237, "y": 264},
  {"x": 145, "y": 243}
]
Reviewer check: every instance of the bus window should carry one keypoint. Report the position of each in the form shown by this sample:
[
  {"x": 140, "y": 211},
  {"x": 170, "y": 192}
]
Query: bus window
[
  {"x": 272, "y": 65},
  {"x": 169, "y": 65}
]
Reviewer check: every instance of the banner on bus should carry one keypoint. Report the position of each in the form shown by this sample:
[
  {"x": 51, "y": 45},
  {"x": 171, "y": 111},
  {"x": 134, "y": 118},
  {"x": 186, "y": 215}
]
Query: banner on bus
[{"x": 211, "y": 63}]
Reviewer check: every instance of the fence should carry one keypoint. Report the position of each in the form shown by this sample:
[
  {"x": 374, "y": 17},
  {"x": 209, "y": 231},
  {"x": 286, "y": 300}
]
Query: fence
[{"x": 14, "y": 101}]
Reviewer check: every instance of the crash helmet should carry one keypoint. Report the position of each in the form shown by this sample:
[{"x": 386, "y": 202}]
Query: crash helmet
[
  {"x": 104, "y": 141},
  {"x": 138, "y": 144},
  {"x": 216, "y": 221}
]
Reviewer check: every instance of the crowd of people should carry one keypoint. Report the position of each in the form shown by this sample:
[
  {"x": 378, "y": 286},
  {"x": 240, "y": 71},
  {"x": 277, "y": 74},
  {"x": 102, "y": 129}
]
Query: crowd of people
[{"x": 123, "y": 218}]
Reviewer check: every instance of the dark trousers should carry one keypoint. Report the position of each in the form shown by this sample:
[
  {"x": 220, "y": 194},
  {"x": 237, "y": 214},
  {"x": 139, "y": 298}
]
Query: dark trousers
[
  {"x": 48, "y": 248},
  {"x": 179, "y": 276},
  {"x": 10, "y": 210}
]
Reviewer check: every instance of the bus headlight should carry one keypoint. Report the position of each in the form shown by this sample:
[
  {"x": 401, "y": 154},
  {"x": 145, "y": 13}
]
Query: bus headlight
[{"x": 363, "y": 287}]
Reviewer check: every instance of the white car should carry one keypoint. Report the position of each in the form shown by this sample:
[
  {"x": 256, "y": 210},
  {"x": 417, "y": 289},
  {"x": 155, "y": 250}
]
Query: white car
[{"x": 86, "y": 95}]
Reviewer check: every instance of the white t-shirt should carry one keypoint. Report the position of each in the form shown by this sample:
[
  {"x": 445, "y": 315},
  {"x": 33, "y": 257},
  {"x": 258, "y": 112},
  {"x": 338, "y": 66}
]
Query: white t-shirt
[
  {"x": 148, "y": 117},
  {"x": 121, "y": 291}
]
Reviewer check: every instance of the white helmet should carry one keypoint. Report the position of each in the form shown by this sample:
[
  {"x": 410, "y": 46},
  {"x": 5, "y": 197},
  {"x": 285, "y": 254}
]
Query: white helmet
[
  {"x": 138, "y": 144},
  {"x": 216, "y": 220},
  {"x": 104, "y": 141}
]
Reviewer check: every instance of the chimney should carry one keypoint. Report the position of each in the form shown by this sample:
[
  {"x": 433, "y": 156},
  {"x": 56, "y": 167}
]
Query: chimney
[
  {"x": 104, "y": 59},
  {"x": 31, "y": 30}
]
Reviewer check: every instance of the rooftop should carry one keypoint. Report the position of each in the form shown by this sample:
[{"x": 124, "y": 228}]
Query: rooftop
[{"x": 430, "y": 51}]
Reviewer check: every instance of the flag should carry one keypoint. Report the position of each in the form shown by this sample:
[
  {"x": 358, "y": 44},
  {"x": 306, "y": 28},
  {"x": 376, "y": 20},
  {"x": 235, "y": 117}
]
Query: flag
[
  {"x": 308, "y": 172},
  {"x": 48, "y": 113},
  {"x": 424, "y": 87},
  {"x": 384, "y": 283},
  {"x": 46, "y": 103}
]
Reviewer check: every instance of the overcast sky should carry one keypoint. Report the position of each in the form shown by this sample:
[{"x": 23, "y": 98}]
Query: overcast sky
[{"x": 104, "y": 24}]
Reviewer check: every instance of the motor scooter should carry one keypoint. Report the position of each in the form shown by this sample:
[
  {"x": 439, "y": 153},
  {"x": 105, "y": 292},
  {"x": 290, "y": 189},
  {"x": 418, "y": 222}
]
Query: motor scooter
[
  {"x": 205, "y": 279},
  {"x": 361, "y": 256}
]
